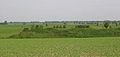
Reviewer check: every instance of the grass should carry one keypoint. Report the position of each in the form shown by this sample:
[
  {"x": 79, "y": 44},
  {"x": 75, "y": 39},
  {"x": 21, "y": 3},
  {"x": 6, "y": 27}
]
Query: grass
[
  {"x": 8, "y": 30},
  {"x": 13, "y": 29},
  {"x": 57, "y": 47},
  {"x": 61, "y": 47}
]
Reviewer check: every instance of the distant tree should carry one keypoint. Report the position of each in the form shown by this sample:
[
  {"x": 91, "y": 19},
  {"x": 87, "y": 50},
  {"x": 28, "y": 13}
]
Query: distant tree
[
  {"x": 37, "y": 26},
  {"x": 32, "y": 27},
  {"x": 54, "y": 26},
  {"x": 97, "y": 24},
  {"x": 116, "y": 23},
  {"x": 11, "y": 22},
  {"x": 5, "y": 22},
  {"x": 60, "y": 26},
  {"x": 57, "y": 26},
  {"x": 106, "y": 25},
  {"x": 64, "y": 26},
  {"x": 65, "y": 23},
  {"x": 82, "y": 26},
  {"x": 46, "y": 24}
]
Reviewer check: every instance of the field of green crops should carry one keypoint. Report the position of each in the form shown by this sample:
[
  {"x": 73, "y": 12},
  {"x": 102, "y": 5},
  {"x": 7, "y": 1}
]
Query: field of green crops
[
  {"x": 56, "y": 47},
  {"x": 61, "y": 47}
]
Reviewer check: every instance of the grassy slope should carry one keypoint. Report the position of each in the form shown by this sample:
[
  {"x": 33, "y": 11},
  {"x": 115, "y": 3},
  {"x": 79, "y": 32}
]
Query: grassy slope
[
  {"x": 8, "y": 30},
  {"x": 64, "y": 47}
]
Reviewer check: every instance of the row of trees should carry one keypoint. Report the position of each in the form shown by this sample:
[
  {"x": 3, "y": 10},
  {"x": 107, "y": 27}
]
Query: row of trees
[{"x": 59, "y": 26}]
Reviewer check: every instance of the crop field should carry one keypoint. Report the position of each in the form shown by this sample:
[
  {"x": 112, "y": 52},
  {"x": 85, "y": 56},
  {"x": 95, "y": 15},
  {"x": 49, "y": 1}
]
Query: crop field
[
  {"x": 61, "y": 47},
  {"x": 7, "y": 30},
  {"x": 59, "y": 40}
]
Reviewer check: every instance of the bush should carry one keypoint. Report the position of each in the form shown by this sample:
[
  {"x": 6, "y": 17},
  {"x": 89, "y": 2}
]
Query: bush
[
  {"x": 37, "y": 26},
  {"x": 57, "y": 26},
  {"x": 46, "y": 24},
  {"x": 25, "y": 29},
  {"x": 54, "y": 27},
  {"x": 64, "y": 26},
  {"x": 106, "y": 25},
  {"x": 60, "y": 26},
  {"x": 82, "y": 26}
]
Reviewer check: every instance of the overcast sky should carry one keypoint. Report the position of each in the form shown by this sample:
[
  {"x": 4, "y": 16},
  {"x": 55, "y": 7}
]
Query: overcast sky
[{"x": 42, "y": 10}]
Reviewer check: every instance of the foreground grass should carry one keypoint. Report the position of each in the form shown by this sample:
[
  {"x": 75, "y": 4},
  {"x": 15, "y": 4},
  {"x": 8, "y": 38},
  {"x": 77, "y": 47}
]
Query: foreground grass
[{"x": 64, "y": 47}]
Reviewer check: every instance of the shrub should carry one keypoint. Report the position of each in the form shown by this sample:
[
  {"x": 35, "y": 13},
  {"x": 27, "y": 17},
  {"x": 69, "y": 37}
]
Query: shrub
[
  {"x": 116, "y": 24},
  {"x": 82, "y": 26},
  {"x": 57, "y": 26},
  {"x": 25, "y": 29},
  {"x": 97, "y": 24},
  {"x": 32, "y": 27},
  {"x": 64, "y": 26},
  {"x": 37, "y": 26},
  {"x": 106, "y": 25},
  {"x": 5, "y": 22},
  {"x": 54, "y": 27},
  {"x": 60, "y": 26},
  {"x": 46, "y": 24}
]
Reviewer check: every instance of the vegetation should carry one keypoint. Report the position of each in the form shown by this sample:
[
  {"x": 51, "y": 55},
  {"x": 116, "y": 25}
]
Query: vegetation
[
  {"x": 106, "y": 25},
  {"x": 65, "y": 47},
  {"x": 59, "y": 30},
  {"x": 77, "y": 39}
]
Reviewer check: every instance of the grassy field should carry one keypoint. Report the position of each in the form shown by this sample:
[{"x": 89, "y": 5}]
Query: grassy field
[
  {"x": 61, "y": 47},
  {"x": 7, "y": 30}
]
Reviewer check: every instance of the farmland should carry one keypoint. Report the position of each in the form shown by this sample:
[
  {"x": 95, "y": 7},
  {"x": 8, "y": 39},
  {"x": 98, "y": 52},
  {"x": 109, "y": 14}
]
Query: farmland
[
  {"x": 59, "y": 40},
  {"x": 58, "y": 30},
  {"x": 64, "y": 47}
]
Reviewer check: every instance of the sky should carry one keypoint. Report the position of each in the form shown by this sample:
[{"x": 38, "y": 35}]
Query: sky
[{"x": 59, "y": 10}]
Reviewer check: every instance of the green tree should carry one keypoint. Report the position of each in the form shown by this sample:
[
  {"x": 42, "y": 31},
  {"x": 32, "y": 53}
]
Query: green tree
[
  {"x": 106, "y": 25},
  {"x": 46, "y": 24},
  {"x": 57, "y": 26},
  {"x": 64, "y": 26},
  {"x": 37, "y": 26},
  {"x": 60, "y": 26},
  {"x": 5, "y": 22},
  {"x": 97, "y": 24},
  {"x": 116, "y": 23},
  {"x": 54, "y": 26}
]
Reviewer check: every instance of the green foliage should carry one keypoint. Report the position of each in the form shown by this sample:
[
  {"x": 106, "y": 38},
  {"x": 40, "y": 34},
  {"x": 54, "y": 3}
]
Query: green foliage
[
  {"x": 106, "y": 25},
  {"x": 16, "y": 31},
  {"x": 25, "y": 29},
  {"x": 37, "y": 26},
  {"x": 64, "y": 26},
  {"x": 97, "y": 24},
  {"x": 5, "y": 22},
  {"x": 82, "y": 26},
  {"x": 46, "y": 24},
  {"x": 73, "y": 33}
]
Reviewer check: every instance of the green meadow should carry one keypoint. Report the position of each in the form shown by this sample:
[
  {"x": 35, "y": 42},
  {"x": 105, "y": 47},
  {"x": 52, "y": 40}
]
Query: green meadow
[
  {"x": 18, "y": 40},
  {"x": 64, "y": 47}
]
